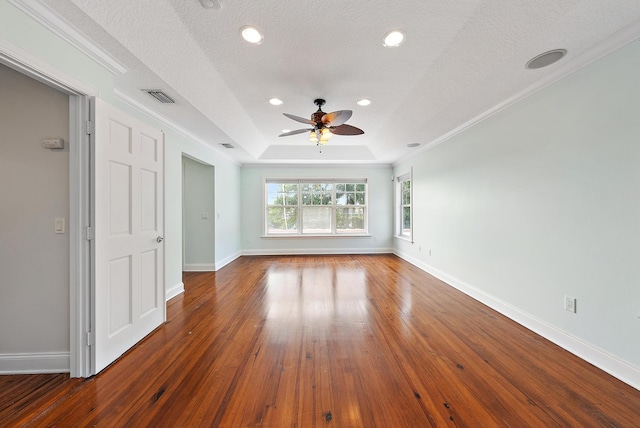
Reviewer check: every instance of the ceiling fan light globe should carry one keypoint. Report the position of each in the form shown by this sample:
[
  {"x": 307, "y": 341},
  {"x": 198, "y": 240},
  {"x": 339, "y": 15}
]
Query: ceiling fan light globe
[{"x": 313, "y": 138}]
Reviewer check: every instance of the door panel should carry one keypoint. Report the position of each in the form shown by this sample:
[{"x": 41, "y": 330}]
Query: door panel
[{"x": 129, "y": 274}]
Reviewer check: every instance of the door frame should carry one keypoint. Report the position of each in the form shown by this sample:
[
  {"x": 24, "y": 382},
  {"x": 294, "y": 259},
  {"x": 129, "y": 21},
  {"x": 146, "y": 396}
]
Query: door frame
[{"x": 80, "y": 198}]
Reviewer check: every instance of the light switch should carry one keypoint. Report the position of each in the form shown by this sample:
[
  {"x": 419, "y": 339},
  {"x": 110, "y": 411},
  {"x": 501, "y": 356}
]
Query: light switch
[
  {"x": 205, "y": 216},
  {"x": 59, "y": 225}
]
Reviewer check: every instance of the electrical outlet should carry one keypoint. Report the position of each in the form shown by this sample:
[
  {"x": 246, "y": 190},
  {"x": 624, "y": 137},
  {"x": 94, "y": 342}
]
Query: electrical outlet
[
  {"x": 429, "y": 251},
  {"x": 570, "y": 304},
  {"x": 419, "y": 248}
]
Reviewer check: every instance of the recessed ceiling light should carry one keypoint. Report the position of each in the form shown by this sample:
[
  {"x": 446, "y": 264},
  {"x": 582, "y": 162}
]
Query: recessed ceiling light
[
  {"x": 251, "y": 35},
  {"x": 546, "y": 58},
  {"x": 275, "y": 101},
  {"x": 393, "y": 39},
  {"x": 363, "y": 102},
  {"x": 413, "y": 144},
  {"x": 284, "y": 131}
]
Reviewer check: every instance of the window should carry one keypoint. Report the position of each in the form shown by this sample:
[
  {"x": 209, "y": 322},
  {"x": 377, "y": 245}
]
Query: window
[
  {"x": 315, "y": 207},
  {"x": 404, "y": 215}
]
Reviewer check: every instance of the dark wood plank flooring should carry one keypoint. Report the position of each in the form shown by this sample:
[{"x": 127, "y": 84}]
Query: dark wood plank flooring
[{"x": 344, "y": 341}]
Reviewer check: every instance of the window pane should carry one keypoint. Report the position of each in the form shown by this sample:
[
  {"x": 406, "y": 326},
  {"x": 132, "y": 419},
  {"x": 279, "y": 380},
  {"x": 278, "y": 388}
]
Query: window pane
[
  {"x": 274, "y": 199},
  {"x": 290, "y": 188},
  {"x": 316, "y": 220},
  {"x": 360, "y": 187},
  {"x": 282, "y": 220},
  {"x": 359, "y": 198},
  {"x": 340, "y": 187},
  {"x": 350, "y": 220},
  {"x": 351, "y": 199},
  {"x": 406, "y": 220},
  {"x": 406, "y": 192},
  {"x": 316, "y": 194},
  {"x": 350, "y": 187}
]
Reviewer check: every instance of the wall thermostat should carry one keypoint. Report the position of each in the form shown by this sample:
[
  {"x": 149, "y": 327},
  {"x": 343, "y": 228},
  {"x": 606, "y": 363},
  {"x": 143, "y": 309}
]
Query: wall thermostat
[{"x": 53, "y": 143}]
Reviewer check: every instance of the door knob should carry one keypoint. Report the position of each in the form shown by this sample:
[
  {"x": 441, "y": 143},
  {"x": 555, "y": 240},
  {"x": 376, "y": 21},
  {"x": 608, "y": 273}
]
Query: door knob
[{"x": 159, "y": 239}]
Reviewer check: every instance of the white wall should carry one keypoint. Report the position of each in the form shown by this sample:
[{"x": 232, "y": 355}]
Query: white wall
[
  {"x": 198, "y": 216},
  {"x": 380, "y": 211},
  {"x": 541, "y": 201},
  {"x": 34, "y": 262}
]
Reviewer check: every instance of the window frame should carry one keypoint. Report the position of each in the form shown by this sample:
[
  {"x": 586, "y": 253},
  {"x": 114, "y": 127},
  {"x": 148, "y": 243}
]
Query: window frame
[
  {"x": 400, "y": 206},
  {"x": 299, "y": 232}
]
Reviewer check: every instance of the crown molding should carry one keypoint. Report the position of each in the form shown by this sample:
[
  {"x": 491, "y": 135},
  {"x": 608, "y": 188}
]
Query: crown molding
[
  {"x": 137, "y": 105},
  {"x": 612, "y": 43},
  {"x": 50, "y": 19}
]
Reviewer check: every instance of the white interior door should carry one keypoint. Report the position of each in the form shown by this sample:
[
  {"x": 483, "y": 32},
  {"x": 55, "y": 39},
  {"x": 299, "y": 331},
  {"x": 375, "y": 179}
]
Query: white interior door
[{"x": 129, "y": 230}]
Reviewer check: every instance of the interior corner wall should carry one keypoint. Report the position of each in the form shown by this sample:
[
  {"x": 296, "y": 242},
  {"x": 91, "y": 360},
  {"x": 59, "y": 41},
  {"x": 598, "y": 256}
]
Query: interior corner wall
[
  {"x": 34, "y": 261},
  {"x": 198, "y": 216},
  {"x": 542, "y": 201},
  {"x": 380, "y": 211}
]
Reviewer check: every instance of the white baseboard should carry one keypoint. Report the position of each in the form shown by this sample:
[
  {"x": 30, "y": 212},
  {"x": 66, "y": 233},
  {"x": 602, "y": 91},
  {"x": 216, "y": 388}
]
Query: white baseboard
[
  {"x": 174, "y": 291},
  {"x": 605, "y": 361},
  {"x": 199, "y": 267},
  {"x": 315, "y": 251},
  {"x": 222, "y": 263},
  {"x": 37, "y": 362}
]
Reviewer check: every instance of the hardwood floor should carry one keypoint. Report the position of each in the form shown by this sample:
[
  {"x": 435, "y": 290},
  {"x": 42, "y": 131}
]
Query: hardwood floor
[{"x": 344, "y": 341}]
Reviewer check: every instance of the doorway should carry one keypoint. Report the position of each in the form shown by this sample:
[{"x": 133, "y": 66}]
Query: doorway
[
  {"x": 49, "y": 194},
  {"x": 198, "y": 216}
]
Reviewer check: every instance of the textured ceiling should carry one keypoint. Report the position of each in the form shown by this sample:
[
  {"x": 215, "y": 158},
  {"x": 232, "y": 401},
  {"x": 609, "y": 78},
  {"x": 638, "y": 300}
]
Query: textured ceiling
[{"x": 459, "y": 61}]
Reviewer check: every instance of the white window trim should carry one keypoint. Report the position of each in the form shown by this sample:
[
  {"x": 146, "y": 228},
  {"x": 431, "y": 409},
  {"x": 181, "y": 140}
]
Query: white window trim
[
  {"x": 300, "y": 234},
  {"x": 398, "y": 206}
]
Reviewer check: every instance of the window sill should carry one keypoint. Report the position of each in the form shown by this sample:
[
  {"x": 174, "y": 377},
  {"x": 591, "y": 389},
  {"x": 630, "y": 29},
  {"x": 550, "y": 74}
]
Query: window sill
[
  {"x": 404, "y": 238},
  {"x": 342, "y": 235}
]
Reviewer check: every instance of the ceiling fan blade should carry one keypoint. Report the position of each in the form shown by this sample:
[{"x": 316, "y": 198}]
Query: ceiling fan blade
[
  {"x": 336, "y": 118},
  {"x": 345, "y": 130},
  {"x": 299, "y": 119},
  {"x": 297, "y": 131}
]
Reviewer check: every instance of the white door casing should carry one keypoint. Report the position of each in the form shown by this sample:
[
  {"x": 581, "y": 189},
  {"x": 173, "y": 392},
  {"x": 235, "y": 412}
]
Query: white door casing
[{"x": 129, "y": 232}]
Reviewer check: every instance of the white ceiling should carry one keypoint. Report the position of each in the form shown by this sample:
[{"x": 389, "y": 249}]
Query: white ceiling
[{"x": 462, "y": 60}]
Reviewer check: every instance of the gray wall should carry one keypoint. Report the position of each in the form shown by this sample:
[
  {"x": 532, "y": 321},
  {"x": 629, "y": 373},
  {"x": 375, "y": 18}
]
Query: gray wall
[
  {"x": 34, "y": 262},
  {"x": 541, "y": 201},
  {"x": 198, "y": 216}
]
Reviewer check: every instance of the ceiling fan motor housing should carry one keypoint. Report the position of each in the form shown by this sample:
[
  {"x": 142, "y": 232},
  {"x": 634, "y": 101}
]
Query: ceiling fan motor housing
[{"x": 317, "y": 116}]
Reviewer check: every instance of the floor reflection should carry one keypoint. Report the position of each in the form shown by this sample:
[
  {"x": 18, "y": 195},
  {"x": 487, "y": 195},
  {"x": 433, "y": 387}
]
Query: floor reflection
[{"x": 314, "y": 297}]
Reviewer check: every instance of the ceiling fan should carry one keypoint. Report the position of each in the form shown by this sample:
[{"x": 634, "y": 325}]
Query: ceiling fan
[{"x": 324, "y": 125}]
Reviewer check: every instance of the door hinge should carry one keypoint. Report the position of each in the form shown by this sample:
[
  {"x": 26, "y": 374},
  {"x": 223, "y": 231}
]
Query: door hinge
[
  {"x": 90, "y": 128},
  {"x": 91, "y": 338},
  {"x": 89, "y": 234}
]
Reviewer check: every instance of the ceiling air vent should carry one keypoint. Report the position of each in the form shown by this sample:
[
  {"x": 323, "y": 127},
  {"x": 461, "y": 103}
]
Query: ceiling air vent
[
  {"x": 226, "y": 145},
  {"x": 160, "y": 96}
]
